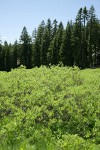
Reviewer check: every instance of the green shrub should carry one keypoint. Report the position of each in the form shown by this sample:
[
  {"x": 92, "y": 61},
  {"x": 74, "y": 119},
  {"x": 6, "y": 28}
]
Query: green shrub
[{"x": 39, "y": 106}]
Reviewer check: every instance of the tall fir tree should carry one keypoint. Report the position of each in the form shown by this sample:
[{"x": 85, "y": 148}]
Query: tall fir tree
[
  {"x": 7, "y": 56},
  {"x": 49, "y": 28},
  {"x": 48, "y": 39},
  {"x": 54, "y": 48},
  {"x": 34, "y": 34},
  {"x": 59, "y": 36},
  {"x": 66, "y": 52},
  {"x": 93, "y": 35},
  {"x": 37, "y": 54},
  {"x": 54, "y": 28},
  {"x": 85, "y": 16},
  {"x": 1, "y": 58},
  {"x": 44, "y": 47},
  {"x": 16, "y": 55},
  {"x": 26, "y": 49},
  {"x": 78, "y": 39},
  {"x": 53, "y": 51}
]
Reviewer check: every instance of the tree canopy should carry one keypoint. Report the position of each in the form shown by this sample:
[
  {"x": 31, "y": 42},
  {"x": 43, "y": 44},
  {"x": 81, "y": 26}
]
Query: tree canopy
[{"x": 78, "y": 44}]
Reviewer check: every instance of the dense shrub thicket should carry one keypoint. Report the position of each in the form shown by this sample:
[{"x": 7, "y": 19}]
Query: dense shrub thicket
[{"x": 54, "y": 108}]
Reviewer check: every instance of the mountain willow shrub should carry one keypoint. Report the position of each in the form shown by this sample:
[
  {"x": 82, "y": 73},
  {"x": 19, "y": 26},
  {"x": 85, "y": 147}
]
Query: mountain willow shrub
[{"x": 50, "y": 104}]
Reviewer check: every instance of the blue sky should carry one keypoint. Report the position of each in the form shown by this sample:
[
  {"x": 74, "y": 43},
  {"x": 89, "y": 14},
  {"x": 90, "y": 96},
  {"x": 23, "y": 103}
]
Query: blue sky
[{"x": 15, "y": 14}]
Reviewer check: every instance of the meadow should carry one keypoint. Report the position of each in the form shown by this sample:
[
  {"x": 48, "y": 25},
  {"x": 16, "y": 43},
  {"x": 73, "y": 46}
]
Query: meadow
[{"x": 56, "y": 108}]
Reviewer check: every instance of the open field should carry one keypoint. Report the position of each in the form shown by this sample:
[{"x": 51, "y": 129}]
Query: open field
[{"x": 55, "y": 108}]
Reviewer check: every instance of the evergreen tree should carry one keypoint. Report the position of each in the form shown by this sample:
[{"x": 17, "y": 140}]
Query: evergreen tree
[
  {"x": 93, "y": 35},
  {"x": 16, "y": 54},
  {"x": 53, "y": 52},
  {"x": 1, "y": 58},
  {"x": 44, "y": 48},
  {"x": 26, "y": 49},
  {"x": 54, "y": 28},
  {"x": 85, "y": 62},
  {"x": 49, "y": 28},
  {"x": 34, "y": 34},
  {"x": 79, "y": 40},
  {"x": 55, "y": 45},
  {"x": 66, "y": 52},
  {"x": 37, "y": 44},
  {"x": 7, "y": 56},
  {"x": 36, "y": 53},
  {"x": 85, "y": 16},
  {"x": 60, "y": 33},
  {"x": 49, "y": 38}
]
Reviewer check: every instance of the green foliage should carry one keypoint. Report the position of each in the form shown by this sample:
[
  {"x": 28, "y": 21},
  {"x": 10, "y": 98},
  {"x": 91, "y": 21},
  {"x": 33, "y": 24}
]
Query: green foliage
[
  {"x": 50, "y": 108},
  {"x": 26, "y": 49},
  {"x": 66, "y": 53},
  {"x": 78, "y": 44}
]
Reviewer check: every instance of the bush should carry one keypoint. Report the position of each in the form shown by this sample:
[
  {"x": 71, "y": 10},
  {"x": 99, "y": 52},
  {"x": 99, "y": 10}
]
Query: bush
[{"x": 42, "y": 104}]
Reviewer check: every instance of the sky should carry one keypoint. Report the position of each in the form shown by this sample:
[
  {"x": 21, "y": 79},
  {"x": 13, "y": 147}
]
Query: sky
[{"x": 15, "y": 14}]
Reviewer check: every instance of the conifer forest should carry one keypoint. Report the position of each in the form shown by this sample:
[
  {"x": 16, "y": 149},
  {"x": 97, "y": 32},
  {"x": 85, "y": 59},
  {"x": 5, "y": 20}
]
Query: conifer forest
[{"x": 77, "y": 44}]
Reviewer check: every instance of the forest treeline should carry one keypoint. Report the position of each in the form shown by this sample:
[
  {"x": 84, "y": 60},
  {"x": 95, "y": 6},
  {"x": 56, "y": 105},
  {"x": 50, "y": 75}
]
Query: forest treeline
[{"x": 50, "y": 44}]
